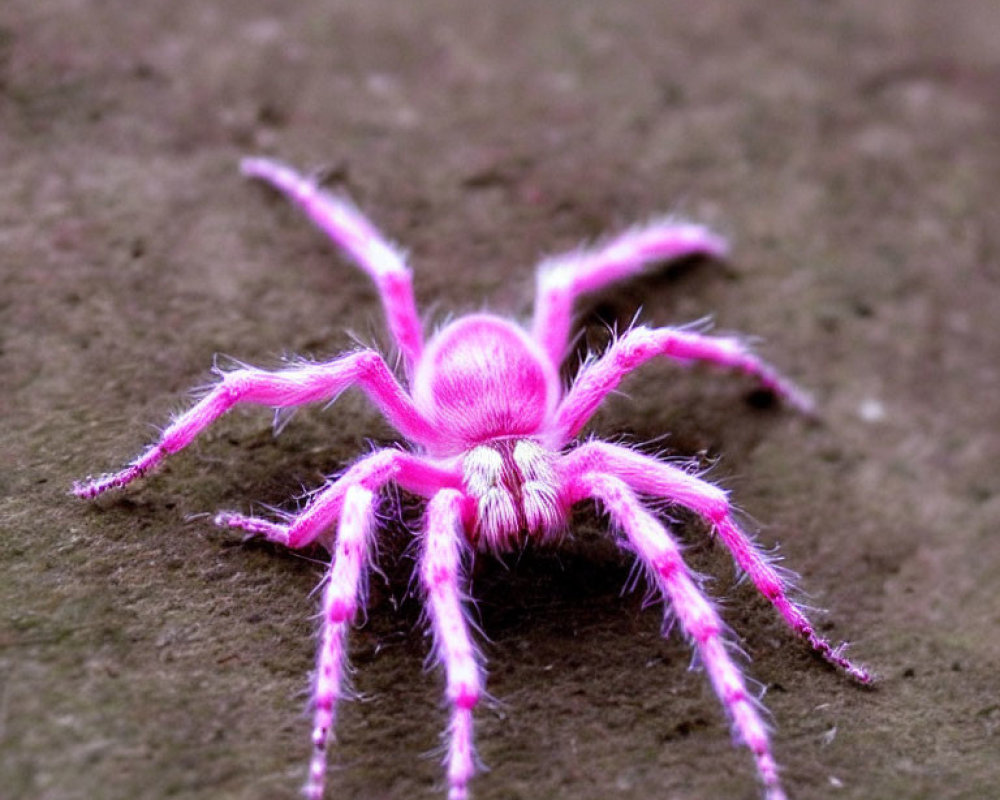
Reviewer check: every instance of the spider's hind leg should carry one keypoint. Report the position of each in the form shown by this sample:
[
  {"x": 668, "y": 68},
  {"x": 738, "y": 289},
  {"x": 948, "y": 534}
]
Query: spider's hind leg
[
  {"x": 637, "y": 346},
  {"x": 561, "y": 280},
  {"x": 350, "y": 229}
]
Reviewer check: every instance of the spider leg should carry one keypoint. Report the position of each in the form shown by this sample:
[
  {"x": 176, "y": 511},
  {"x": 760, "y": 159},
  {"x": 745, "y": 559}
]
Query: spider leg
[
  {"x": 409, "y": 471},
  {"x": 661, "y": 556},
  {"x": 344, "y": 587},
  {"x": 348, "y": 227},
  {"x": 637, "y": 346},
  {"x": 651, "y": 477},
  {"x": 304, "y": 383},
  {"x": 441, "y": 576},
  {"x": 564, "y": 278}
]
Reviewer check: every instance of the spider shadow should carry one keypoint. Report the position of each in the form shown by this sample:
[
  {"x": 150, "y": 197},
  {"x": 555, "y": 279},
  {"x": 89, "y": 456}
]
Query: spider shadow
[
  {"x": 586, "y": 581},
  {"x": 544, "y": 591}
]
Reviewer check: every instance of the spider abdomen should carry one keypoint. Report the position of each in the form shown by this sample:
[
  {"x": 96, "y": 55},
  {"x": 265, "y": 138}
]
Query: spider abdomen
[{"x": 482, "y": 378}]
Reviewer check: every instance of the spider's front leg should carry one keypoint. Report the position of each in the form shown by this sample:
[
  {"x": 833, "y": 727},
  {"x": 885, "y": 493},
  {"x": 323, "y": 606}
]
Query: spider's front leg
[
  {"x": 637, "y": 346},
  {"x": 441, "y": 576},
  {"x": 564, "y": 278},
  {"x": 408, "y": 471},
  {"x": 304, "y": 383},
  {"x": 656, "y": 479},
  {"x": 341, "y": 596},
  {"x": 661, "y": 556}
]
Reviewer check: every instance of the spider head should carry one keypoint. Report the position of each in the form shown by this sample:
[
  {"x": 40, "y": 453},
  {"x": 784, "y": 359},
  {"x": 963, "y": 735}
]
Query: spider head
[
  {"x": 482, "y": 378},
  {"x": 515, "y": 488}
]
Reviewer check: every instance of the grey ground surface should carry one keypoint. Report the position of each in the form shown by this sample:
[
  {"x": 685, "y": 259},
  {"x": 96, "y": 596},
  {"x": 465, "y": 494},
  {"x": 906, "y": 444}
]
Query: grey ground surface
[{"x": 851, "y": 155}]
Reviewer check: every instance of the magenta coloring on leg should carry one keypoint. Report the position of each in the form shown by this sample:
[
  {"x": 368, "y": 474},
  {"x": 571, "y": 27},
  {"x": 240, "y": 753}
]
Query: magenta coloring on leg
[{"x": 492, "y": 449}]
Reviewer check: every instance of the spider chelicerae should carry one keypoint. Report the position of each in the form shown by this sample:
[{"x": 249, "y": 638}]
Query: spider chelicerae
[{"x": 493, "y": 449}]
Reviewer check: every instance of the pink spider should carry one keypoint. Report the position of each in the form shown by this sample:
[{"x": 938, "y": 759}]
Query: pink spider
[{"x": 493, "y": 451}]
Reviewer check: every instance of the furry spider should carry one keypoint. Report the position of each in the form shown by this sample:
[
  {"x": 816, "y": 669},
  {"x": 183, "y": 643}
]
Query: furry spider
[{"x": 494, "y": 453}]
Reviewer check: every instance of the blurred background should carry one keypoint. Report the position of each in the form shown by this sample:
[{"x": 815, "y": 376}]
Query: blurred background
[{"x": 847, "y": 149}]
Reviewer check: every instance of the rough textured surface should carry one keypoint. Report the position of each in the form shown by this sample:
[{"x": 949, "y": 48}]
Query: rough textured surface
[{"x": 851, "y": 155}]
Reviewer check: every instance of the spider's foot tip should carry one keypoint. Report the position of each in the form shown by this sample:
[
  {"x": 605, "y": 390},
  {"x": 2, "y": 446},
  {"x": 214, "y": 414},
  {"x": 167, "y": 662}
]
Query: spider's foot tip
[
  {"x": 254, "y": 166},
  {"x": 801, "y": 400},
  {"x": 835, "y": 657},
  {"x": 226, "y": 519},
  {"x": 807, "y": 407},
  {"x": 230, "y": 520},
  {"x": 863, "y": 677},
  {"x": 251, "y": 526},
  {"x": 91, "y": 488},
  {"x": 855, "y": 672},
  {"x": 313, "y": 790},
  {"x": 716, "y": 246}
]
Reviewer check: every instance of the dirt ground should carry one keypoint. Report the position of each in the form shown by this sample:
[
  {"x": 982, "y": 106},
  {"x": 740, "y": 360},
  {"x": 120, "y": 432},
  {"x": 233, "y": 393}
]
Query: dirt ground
[{"x": 850, "y": 154}]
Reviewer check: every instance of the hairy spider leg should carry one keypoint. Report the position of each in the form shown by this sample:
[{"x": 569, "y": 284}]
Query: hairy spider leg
[
  {"x": 441, "y": 576},
  {"x": 342, "y": 594},
  {"x": 372, "y": 473},
  {"x": 303, "y": 383},
  {"x": 563, "y": 278},
  {"x": 661, "y": 556},
  {"x": 656, "y": 479},
  {"x": 350, "y": 229},
  {"x": 637, "y": 346}
]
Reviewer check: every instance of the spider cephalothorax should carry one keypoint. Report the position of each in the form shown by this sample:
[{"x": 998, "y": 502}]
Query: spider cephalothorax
[
  {"x": 481, "y": 378},
  {"x": 491, "y": 392},
  {"x": 493, "y": 450}
]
